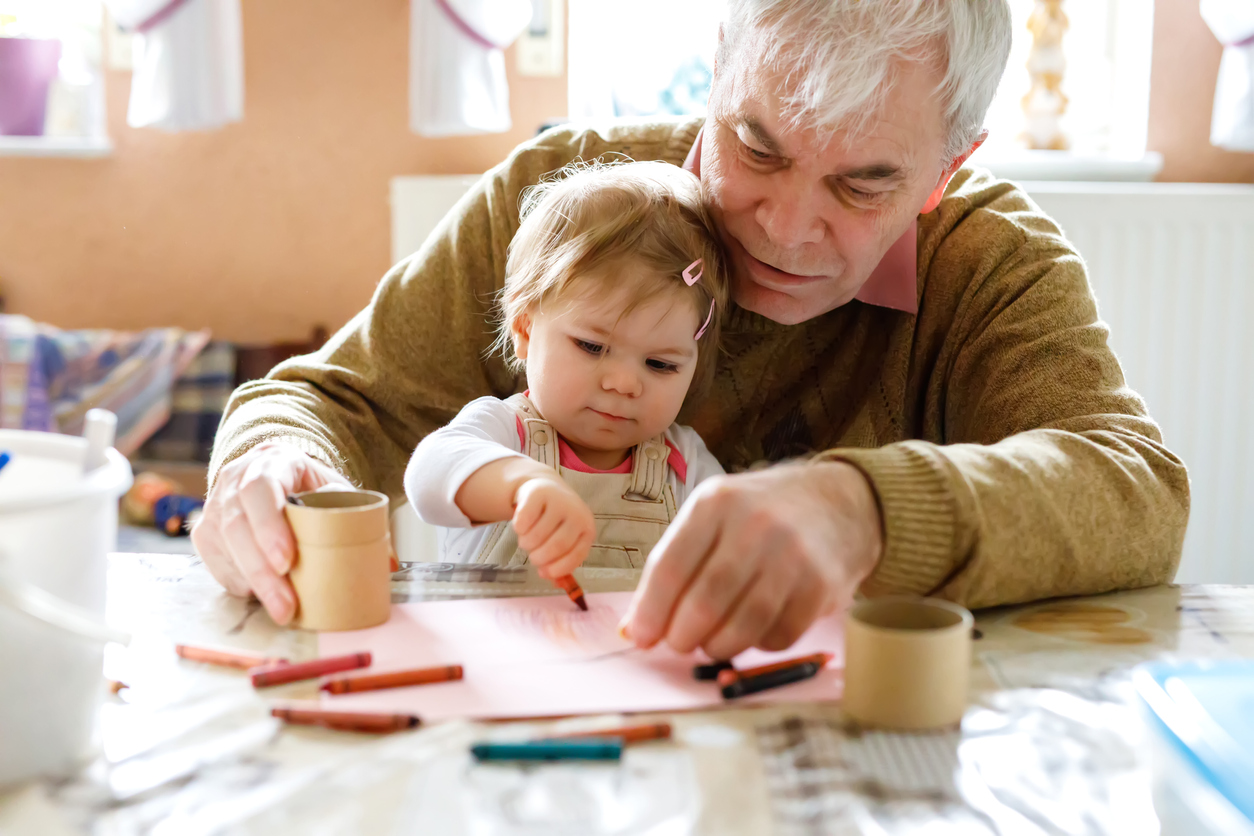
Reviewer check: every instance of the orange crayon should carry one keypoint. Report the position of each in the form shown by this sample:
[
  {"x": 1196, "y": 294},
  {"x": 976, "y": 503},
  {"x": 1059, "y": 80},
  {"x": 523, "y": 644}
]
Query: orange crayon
[
  {"x": 731, "y": 675},
  {"x": 628, "y": 734},
  {"x": 226, "y": 658},
  {"x": 571, "y": 587},
  {"x": 360, "y": 721},
  {"x": 281, "y": 674},
  {"x": 395, "y": 679}
]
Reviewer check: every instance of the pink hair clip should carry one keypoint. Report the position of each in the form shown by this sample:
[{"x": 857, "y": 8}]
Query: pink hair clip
[{"x": 690, "y": 280}]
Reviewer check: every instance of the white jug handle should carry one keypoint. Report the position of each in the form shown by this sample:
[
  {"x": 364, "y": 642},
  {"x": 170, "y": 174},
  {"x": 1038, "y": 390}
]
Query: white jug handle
[{"x": 51, "y": 610}]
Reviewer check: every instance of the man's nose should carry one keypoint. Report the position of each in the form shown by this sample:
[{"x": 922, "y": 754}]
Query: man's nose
[
  {"x": 618, "y": 377},
  {"x": 790, "y": 218}
]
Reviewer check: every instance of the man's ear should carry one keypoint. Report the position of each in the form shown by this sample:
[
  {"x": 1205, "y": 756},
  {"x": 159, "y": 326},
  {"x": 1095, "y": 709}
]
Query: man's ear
[
  {"x": 938, "y": 194},
  {"x": 520, "y": 332}
]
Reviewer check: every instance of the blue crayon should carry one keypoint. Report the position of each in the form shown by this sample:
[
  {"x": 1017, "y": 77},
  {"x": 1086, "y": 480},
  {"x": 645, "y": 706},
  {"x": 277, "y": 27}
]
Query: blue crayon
[
  {"x": 591, "y": 749},
  {"x": 5, "y": 458}
]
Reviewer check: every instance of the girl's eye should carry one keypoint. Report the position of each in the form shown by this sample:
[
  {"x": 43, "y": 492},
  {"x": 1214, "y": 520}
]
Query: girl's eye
[
  {"x": 594, "y": 349},
  {"x": 661, "y": 366}
]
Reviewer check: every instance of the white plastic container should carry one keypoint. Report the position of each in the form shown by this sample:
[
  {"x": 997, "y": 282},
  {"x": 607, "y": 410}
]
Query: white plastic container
[{"x": 57, "y": 524}]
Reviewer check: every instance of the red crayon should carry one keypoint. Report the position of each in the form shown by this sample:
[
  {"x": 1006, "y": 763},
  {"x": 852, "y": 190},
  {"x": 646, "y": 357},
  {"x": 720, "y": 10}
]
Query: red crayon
[
  {"x": 571, "y": 587},
  {"x": 395, "y": 679},
  {"x": 628, "y": 734},
  {"x": 361, "y": 721},
  {"x": 281, "y": 674},
  {"x": 226, "y": 658},
  {"x": 730, "y": 675}
]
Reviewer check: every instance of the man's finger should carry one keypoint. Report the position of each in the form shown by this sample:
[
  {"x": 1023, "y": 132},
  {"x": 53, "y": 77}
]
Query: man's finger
[
  {"x": 263, "y": 501},
  {"x": 799, "y": 612},
  {"x": 275, "y": 593},
  {"x": 751, "y": 617},
  {"x": 669, "y": 568},
  {"x": 211, "y": 548},
  {"x": 708, "y": 601}
]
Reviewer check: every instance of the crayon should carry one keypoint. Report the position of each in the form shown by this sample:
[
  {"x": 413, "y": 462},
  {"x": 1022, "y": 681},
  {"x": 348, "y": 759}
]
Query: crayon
[
  {"x": 730, "y": 675},
  {"x": 5, "y": 458},
  {"x": 627, "y": 734},
  {"x": 591, "y": 749},
  {"x": 116, "y": 686},
  {"x": 226, "y": 658},
  {"x": 395, "y": 679},
  {"x": 572, "y": 590},
  {"x": 751, "y": 685},
  {"x": 362, "y": 721},
  {"x": 710, "y": 672},
  {"x": 281, "y": 674}
]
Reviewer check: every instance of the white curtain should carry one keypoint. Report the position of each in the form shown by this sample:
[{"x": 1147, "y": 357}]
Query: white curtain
[
  {"x": 457, "y": 64},
  {"x": 188, "y": 64},
  {"x": 1232, "y": 123}
]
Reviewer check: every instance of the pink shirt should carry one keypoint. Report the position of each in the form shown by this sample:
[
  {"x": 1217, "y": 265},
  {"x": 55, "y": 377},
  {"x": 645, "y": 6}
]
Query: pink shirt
[{"x": 894, "y": 283}]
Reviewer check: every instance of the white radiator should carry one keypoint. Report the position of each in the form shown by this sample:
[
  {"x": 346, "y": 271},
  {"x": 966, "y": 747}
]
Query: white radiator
[{"x": 1172, "y": 265}]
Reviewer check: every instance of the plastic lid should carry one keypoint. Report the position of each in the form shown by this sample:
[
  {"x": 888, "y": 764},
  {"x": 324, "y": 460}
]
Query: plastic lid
[{"x": 1206, "y": 711}]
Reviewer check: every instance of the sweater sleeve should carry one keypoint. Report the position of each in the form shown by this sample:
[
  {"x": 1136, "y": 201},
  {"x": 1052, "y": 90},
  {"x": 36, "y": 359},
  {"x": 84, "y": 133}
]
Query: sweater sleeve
[
  {"x": 483, "y": 432},
  {"x": 1049, "y": 478}
]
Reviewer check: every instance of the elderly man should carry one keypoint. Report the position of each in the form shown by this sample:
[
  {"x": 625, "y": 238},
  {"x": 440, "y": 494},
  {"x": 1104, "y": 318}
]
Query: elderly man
[{"x": 923, "y": 334}]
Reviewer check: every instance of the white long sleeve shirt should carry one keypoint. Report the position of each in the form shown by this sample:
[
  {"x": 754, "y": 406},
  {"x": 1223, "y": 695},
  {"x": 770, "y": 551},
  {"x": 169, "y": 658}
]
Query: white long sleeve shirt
[{"x": 488, "y": 429}]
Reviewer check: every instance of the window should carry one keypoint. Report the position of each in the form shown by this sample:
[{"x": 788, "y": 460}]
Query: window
[
  {"x": 658, "y": 60},
  {"x": 51, "y": 85}
]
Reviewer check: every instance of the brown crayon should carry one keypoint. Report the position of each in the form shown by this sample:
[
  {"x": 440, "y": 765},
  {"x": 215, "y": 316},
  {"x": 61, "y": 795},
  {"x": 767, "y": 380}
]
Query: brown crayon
[
  {"x": 395, "y": 679},
  {"x": 730, "y": 675},
  {"x": 572, "y": 589},
  {"x": 359, "y": 721},
  {"x": 628, "y": 734},
  {"x": 282, "y": 674},
  {"x": 226, "y": 658}
]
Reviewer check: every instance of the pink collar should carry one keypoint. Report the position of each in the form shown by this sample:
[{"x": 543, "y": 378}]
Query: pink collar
[
  {"x": 571, "y": 461},
  {"x": 893, "y": 282}
]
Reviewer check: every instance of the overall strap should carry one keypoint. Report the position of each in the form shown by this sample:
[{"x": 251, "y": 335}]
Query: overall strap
[
  {"x": 648, "y": 468},
  {"x": 541, "y": 440}
]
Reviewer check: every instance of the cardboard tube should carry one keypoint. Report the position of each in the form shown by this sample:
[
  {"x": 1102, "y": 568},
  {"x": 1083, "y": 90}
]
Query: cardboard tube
[
  {"x": 342, "y": 574},
  {"x": 907, "y": 663}
]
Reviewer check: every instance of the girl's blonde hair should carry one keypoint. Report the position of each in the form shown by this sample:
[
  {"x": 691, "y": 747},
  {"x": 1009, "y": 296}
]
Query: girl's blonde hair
[{"x": 589, "y": 216}]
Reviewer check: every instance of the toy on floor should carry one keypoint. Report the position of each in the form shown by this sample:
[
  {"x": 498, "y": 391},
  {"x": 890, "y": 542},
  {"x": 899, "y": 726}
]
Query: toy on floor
[{"x": 154, "y": 500}]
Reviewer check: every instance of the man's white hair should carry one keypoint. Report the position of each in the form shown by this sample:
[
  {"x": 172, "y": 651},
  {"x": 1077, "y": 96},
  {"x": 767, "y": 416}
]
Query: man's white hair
[{"x": 838, "y": 56}]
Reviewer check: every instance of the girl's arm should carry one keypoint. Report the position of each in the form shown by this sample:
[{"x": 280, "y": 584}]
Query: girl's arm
[{"x": 490, "y": 493}]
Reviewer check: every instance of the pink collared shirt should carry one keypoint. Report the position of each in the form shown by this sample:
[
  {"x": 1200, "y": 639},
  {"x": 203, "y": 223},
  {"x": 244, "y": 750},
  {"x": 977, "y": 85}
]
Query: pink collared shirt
[{"x": 893, "y": 282}]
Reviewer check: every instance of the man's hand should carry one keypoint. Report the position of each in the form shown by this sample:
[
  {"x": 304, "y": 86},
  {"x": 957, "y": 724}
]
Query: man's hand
[
  {"x": 244, "y": 537},
  {"x": 753, "y": 559},
  {"x": 554, "y": 525}
]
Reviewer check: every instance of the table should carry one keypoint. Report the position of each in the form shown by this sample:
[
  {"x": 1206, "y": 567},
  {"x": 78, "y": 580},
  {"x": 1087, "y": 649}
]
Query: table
[{"x": 188, "y": 748}]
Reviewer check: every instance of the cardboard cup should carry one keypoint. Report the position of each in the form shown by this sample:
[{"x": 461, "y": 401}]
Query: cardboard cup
[
  {"x": 343, "y": 569},
  {"x": 907, "y": 663}
]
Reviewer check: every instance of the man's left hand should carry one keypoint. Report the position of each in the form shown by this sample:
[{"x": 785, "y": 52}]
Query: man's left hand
[{"x": 753, "y": 559}]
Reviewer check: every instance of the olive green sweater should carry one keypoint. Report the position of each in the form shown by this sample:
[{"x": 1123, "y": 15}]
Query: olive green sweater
[{"x": 1010, "y": 460}]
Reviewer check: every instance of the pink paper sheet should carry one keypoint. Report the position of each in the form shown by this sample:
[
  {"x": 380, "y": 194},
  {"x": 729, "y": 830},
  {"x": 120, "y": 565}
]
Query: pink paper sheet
[{"x": 538, "y": 657}]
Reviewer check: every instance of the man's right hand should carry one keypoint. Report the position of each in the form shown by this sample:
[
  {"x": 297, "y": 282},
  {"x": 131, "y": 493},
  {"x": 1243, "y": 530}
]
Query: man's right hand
[{"x": 243, "y": 536}]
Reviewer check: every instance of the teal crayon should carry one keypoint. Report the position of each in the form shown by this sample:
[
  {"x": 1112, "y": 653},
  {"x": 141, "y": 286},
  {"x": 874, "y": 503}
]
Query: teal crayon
[
  {"x": 590, "y": 749},
  {"x": 773, "y": 679}
]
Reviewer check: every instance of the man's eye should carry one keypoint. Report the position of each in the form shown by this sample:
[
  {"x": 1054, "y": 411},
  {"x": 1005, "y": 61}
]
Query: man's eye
[
  {"x": 594, "y": 349},
  {"x": 761, "y": 156},
  {"x": 859, "y": 194},
  {"x": 661, "y": 366}
]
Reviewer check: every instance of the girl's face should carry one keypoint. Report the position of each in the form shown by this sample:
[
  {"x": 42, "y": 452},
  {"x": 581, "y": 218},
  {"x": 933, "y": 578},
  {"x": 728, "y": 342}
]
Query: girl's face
[{"x": 608, "y": 380}]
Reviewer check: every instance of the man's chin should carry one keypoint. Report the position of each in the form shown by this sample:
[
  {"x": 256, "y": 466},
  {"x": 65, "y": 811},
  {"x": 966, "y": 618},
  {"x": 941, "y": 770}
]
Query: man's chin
[{"x": 776, "y": 305}]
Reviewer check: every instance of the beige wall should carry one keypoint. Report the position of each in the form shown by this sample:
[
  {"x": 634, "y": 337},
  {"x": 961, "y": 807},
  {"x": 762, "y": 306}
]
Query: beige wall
[
  {"x": 264, "y": 228},
  {"x": 1182, "y": 90},
  {"x": 258, "y": 230}
]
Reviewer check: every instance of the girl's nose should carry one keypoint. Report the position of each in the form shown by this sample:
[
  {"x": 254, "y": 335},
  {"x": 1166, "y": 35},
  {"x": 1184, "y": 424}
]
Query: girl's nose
[{"x": 617, "y": 378}]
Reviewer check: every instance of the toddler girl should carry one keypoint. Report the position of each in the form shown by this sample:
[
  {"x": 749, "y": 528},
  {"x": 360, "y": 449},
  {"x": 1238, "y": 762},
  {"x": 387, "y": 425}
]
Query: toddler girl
[{"x": 614, "y": 286}]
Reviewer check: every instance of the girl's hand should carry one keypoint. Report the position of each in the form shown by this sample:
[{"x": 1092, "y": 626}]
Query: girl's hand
[{"x": 554, "y": 525}]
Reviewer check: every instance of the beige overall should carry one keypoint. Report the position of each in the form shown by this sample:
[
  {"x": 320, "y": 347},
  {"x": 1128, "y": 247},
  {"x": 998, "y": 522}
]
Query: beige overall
[{"x": 632, "y": 509}]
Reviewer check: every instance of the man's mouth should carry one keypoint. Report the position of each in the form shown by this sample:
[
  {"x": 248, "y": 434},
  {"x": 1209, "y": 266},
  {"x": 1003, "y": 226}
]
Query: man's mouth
[{"x": 768, "y": 274}]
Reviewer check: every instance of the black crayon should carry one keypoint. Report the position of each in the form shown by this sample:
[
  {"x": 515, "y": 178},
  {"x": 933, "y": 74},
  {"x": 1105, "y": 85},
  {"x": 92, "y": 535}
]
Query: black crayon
[
  {"x": 774, "y": 679},
  {"x": 711, "y": 671}
]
